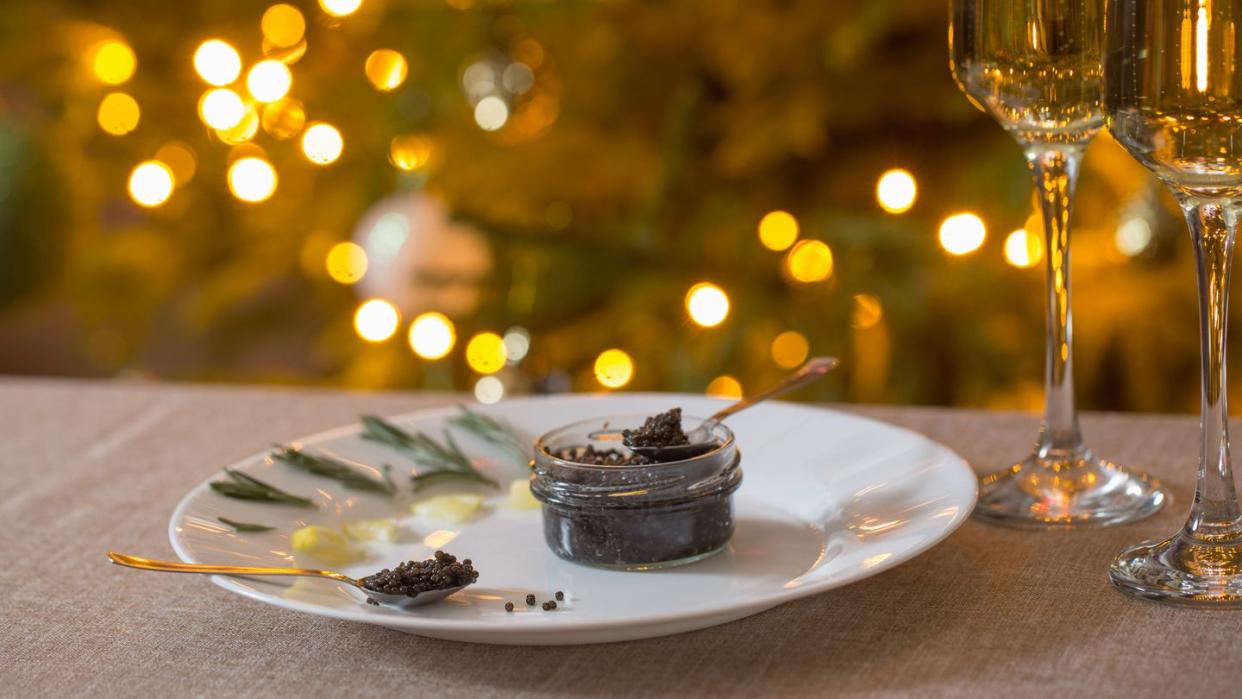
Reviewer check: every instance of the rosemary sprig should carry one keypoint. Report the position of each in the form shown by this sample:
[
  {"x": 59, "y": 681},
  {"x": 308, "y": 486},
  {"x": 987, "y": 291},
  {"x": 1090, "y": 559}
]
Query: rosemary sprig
[
  {"x": 335, "y": 469},
  {"x": 245, "y": 526},
  {"x": 245, "y": 487},
  {"x": 489, "y": 429},
  {"x": 444, "y": 461}
]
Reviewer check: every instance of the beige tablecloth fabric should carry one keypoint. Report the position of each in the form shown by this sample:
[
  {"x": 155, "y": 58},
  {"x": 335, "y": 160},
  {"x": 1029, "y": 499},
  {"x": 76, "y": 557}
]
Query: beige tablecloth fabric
[{"x": 86, "y": 467}]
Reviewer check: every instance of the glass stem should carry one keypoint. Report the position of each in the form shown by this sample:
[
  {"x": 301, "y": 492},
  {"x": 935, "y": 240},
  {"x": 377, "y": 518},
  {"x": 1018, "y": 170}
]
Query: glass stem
[
  {"x": 1055, "y": 170},
  {"x": 1213, "y": 224}
]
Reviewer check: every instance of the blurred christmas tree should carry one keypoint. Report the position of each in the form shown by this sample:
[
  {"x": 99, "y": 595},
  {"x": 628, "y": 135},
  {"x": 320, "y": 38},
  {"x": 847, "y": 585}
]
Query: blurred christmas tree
[{"x": 534, "y": 196}]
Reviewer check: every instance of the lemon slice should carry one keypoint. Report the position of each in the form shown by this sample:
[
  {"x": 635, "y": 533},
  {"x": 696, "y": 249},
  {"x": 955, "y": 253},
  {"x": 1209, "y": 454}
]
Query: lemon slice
[
  {"x": 384, "y": 529},
  {"x": 520, "y": 497},
  {"x": 325, "y": 544},
  {"x": 449, "y": 508}
]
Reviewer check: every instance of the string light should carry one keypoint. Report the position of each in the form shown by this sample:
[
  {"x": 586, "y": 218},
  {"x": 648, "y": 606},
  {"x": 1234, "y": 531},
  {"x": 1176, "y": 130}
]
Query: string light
[
  {"x": 432, "y": 336},
  {"x": 346, "y": 262},
  {"x": 217, "y": 63},
  {"x": 283, "y": 25},
  {"x": 896, "y": 191},
  {"x": 790, "y": 349},
  {"x": 724, "y": 387},
  {"x": 252, "y": 179},
  {"x": 962, "y": 234},
  {"x": 151, "y": 183},
  {"x": 180, "y": 158},
  {"x": 491, "y": 113},
  {"x": 488, "y": 390},
  {"x": 376, "y": 320},
  {"x": 707, "y": 304},
  {"x": 485, "y": 353},
  {"x": 809, "y": 261},
  {"x": 114, "y": 62},
  {"x": 866, "y": 312},
  {"x": 322, "y": 143},
  {"x": 340, "y": 8},
  {"x": 1023, "y": 249},
  {"x": 221, "y": 109},
  {"x": 283, "y": 118},
  {"x": 269, "y": 80},
  {"x": 118, "y": 113},
  {"x": 386, "y": 69},
  {"x": 614, "y": 368},
  {"x": 778, "y": 230}
]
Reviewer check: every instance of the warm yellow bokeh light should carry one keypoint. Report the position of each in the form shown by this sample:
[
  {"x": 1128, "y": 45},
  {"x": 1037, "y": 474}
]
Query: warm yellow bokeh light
[
  {"x": 252, "y": 179},
  {"x": 114, "y": 62},
  {"x": 386, "y": 69},
  {"x": 866, "y": 312},
  {"x": 269, "y": 80},
  {"x": 322, "y": 143},
  {"x": 118, "y": 113},
  {"x": 432, "y": 335},
  {"x": 790, "y": 349},
  {"x": 151, "y": 183},
  {"x": 962, "y": 234},
  {"x": 491, "y": 113},
  {"x": 410, "y": 151},
  {"x": 221, "y": 109},
  {"x": 284, "y": 118},
  {"x": 896, "y": 191},
  {"x": 486, "y": 353},
  {"x": 809, "y": 261},
  {"x": 1023, "y": 249},
  {"x": 376, "y": 320},
  {"x": 340, "y": 8},
  {"x": 724, "y": 387},
  {"x": 217, "y": 63},
  {"x": 243, "y": 130},
  {"x": 180, "y": 158},
  {"x": 346, "y": 262},
  {"x": 778, "y": 230},
  {"x": 283, "y": 25},
  {"x": 707, "y": 304},
  {"x": 614, "y": 368}
]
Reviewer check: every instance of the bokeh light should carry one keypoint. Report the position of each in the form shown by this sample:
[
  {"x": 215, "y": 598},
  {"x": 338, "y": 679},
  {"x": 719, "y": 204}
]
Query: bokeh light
[
  {"x": 252, "y": 179},
  {"x": 269, "y": 80},
  {"x": 410, "y": 151},
  {"x": 217, "y": 63},
  {"x": 243, "y": 130},
  {"x": 118, "y": 113},
  {"x": 386, "y": 69},
  {"x": 180, "y": 158},
  {"x": 724, "y": 387},
  {"x": 614, "y": 368},
  {"x": 809, "y": 261},
  {"x": 221, "y": 109},
  {"x": 346, "y": 262},
  {"x": 962, "y": 234},
  {"x": 283, "y": 25},
  {"x": 340, "y": 8},
  {"x": 707, "y": 304},
  {"x": 114, "y": 62},
  {"x": 322, "y": 143},
  {"x": 151, "y": 183},
  {"x": 1023, "y": 249},
  {"x": 283, "y": 118},
  {"x": 485, "y": 353},
  {"x": 866, "y": 311},
  {"x": 790, "y": 349},
  {"x": 896, "y": 191},
  {"x": 778, "y": 230},
  {"x": 491, "y": 113},
  {"x": 376, "y": 320},
  {"x": 1133, "y": 237},
  {"x": 488, "y": 390},
  {"x": 432, "y": 336},
  {"x": 517, "y": 344}
]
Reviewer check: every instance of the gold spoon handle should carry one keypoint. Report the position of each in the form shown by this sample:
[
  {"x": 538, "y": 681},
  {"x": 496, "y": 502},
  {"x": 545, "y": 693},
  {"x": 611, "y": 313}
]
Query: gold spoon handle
[
  {"x": 811, "y": 371},
  {"x": 171, "y": 567}
]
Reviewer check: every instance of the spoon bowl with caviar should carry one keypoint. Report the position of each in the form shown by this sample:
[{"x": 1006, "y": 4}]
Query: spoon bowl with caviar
[{"x": 411, "y": 584}]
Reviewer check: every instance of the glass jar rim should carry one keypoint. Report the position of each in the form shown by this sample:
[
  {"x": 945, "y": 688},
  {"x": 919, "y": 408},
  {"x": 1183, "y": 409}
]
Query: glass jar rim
[{"x": 541, "y": 451}]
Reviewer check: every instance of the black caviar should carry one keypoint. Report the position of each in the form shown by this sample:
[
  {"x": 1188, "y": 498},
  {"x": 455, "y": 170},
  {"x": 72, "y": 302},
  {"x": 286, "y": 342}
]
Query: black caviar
[
  {"x": 508, "y": 606},
  {"x": 549, "y": 606},
  {"x": 412, "y": 577},
  {"x": 560, "y": 596},
  {"x": 600, "y": 457},
  {"x": 530, "y": 600},
  {"x": 663, "y": 430}
]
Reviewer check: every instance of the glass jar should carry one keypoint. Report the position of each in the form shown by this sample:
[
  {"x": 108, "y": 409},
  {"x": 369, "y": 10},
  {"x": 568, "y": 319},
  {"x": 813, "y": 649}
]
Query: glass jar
[{"x": 635, "y": 517}]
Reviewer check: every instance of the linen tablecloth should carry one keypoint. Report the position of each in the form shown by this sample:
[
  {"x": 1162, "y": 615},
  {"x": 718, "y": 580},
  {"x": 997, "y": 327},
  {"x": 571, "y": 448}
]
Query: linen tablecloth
[{"x": 89, "y": 466}]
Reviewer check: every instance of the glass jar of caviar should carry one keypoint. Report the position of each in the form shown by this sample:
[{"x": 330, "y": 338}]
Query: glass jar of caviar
[{"x": 602, "y": 507}]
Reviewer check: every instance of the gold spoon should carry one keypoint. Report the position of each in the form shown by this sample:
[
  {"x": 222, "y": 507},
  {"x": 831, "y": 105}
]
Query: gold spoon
[{"x": 403, "y": 602}]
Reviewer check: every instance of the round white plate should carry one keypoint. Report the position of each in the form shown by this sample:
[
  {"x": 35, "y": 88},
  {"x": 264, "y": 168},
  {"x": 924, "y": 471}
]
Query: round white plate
[{"x": 827, "y": 499}]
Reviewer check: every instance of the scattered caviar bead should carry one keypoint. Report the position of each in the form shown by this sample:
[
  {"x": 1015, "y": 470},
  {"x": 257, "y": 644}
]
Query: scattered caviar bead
[
  {"x": 549, "y": 606},
  {"x": 530, "y": 600},
  {"x": 560, "y": 595},
  {"x": 508, "y": 606}
]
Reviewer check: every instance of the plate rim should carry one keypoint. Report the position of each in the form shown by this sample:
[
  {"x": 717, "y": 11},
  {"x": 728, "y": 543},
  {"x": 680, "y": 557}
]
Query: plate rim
[{"x": 416, "y": 623}]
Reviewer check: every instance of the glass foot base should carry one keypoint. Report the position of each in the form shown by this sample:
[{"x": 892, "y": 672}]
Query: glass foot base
[
  {"x": 1183, "y": 571},
  {"x": 1072, "y": 492}
]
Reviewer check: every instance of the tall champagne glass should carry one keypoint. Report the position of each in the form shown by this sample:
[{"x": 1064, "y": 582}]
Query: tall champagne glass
[
  {"x": 1034, "y": 66},
  {"x": 1174, "y": 101}
]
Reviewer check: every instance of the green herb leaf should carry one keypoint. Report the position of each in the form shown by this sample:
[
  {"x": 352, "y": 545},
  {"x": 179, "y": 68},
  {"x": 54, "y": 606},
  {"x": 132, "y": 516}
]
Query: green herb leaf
[
  {"x": 335, "y": 469},
  {"x": 446, "y": 460},
  {"x": 494, "y": 431},
  {"x": 244, "y": 487},
  {"x": 245, "y": 526}
]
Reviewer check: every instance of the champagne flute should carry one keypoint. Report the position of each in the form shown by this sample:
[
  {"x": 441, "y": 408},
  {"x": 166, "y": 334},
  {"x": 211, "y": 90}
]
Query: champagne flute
[
  {"x": 1034, "y": 66},
  {"x": 1173, "y": 95}
]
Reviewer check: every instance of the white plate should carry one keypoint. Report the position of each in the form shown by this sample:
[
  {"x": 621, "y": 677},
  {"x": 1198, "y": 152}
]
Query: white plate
[{"x": 827, "y": 499}]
